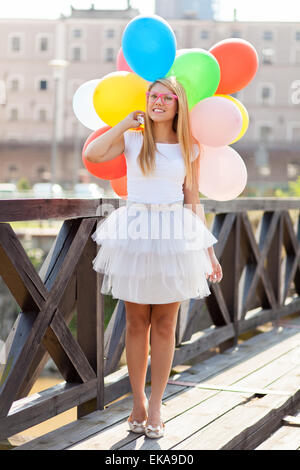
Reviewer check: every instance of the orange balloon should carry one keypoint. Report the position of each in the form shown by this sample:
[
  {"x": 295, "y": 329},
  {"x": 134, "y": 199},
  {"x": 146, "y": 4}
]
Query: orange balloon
[
  {"x": 110, "y": 170},
  {"x": 120, "y": 186},
  {"x": 238, "y": 61}
]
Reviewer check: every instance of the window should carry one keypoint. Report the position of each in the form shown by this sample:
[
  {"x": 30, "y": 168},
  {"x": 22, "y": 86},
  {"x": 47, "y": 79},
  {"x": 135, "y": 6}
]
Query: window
[
  {"x": 42, "y": 115},
  {"x": 236, "y": 34},
  {"x": 13, "y": 114},
  {"x": 13, "y": 169},
  {"x": 266, "y": 94},
  {"x": 109, "y": 54},
  {"x": 15, "y": 43},
  {"x": 41, "y": 173},
  {"x": 296, "y": 134},
  {"x": 293, "y": 169},
  {"x": 77, "y": 33},
  {"x": 262, "y": 163},
  {"x": 267, "y": 56},
  {"x": 297, "y": 56},
  {"x": 268, "y": 35},
  {"x": 293, "y": 132},
  {"x": 110, "y": 33},
  {"x": 14, "y": 84},
  {"x": 265, "y": 133},
  {"x": 2, "y": 92},
  {"x": 76, "y": 54},
  {"x": 44, "y": 44},
  {"x": 43, "y": 85},
  {"x": 204, "y": 34}
]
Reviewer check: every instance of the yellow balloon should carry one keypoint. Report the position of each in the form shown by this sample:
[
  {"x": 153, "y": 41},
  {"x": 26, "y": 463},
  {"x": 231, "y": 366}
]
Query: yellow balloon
[
  {"x": 244, "y": 113},
  {"x": 118, "y": 94}
]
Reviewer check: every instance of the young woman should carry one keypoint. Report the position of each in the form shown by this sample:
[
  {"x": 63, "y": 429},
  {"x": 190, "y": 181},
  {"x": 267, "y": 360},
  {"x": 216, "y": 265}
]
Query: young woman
[{"x": 156, "y": 250}]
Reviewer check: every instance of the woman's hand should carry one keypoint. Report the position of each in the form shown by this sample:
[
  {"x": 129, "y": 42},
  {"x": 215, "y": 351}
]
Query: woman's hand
[
  {"x": 217, "y": 273},
  {"x": 131, "y": 120}
]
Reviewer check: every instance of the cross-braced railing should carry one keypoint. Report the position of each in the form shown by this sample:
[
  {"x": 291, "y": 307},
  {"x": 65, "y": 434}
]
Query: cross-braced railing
[{"x": 261, "y": 283}]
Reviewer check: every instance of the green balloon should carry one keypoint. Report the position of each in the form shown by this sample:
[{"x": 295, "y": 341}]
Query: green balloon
[{"x": 199, "y": 73}]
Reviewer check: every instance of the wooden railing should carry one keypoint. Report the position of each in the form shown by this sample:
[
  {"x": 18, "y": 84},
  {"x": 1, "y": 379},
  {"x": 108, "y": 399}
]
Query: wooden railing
[{"x": 261, "y": 283}]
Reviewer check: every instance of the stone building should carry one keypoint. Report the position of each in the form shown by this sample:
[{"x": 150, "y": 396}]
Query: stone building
[{"x": 90, "y": 40}]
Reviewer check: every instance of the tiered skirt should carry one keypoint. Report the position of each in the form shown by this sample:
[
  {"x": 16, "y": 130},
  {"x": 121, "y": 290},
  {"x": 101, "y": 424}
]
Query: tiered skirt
[{"x": 153, "y": 253}]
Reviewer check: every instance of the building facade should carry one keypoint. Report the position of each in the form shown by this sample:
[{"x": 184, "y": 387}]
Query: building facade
[
  {"x": 90, "y": 40},
  {"x": 188, "y": 9}
]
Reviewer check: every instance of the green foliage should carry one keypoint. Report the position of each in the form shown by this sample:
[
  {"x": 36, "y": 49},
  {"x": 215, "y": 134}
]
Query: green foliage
[
  {"x": 36, "y": 256},
  {"x": 293, "y": 189},
  {"x": 23, "y": 184}
]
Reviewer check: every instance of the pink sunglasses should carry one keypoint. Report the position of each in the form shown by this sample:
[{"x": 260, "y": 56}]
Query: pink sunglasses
[{"x": 167, "y": 98}]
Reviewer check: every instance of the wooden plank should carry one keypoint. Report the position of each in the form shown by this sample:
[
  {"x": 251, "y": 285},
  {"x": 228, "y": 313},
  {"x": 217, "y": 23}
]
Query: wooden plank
[
  {"x": 195, "y": 421},
  {"x": 287, "y": 437},
  {"x": 36, "y": 408},
  {"x": 243, "y": 204},
  {"x": 119, "y": 438},
  {"x": 42, "y": 209},
  {"x": 18, "y": 273},
  {"x": 16, "y": 377},
  {"x": 183, "y": 319},
  {"x": 260, "y": 273},
  {"x": 12, "y": 210},
  {"x": 291, "y": 420},
  {"x": 114, "y": 338},
  {"x": 66, "y": 308},
  {"x": 72, "y": 348},
  {"x": 90, "y": 321},
  {"x": 292, "y": 256},
  {"x": 271, "y": 344},
  {"x": 47, "y": 276},
  {"x": 244, "y": 426},
  {"x": 274, "y": 264}
]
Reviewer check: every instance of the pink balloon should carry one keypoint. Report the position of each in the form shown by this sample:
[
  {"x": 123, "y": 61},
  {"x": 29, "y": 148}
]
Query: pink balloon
[
  {"x": 223, "y": 173},
  {"x": 216, "y": 121},
  {"x": 121, "y": 62}
]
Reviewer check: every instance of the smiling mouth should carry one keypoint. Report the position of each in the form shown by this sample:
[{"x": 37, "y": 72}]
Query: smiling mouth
[{"x": 158, "y": 110}]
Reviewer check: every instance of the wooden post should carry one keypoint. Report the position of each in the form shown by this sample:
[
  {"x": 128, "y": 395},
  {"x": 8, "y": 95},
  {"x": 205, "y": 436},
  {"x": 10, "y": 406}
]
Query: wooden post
[{"x": 90, "y": 322}]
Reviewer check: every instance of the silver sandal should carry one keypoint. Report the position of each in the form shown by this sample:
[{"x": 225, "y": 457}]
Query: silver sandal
[
  {"x": 155, "y": 432},
  {"x": 137, "y": 427}
]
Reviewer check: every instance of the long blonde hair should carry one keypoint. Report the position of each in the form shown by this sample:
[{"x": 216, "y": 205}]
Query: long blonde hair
[{"x": 181, "y": 125}]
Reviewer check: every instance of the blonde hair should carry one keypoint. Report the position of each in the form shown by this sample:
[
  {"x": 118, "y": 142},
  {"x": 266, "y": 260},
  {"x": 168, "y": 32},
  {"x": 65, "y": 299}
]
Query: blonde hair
[{"x": 181, "y": 125}]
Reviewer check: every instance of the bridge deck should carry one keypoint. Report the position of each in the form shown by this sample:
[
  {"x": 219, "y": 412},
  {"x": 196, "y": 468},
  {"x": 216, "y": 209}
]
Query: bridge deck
[{"x": 243, "y": 398}]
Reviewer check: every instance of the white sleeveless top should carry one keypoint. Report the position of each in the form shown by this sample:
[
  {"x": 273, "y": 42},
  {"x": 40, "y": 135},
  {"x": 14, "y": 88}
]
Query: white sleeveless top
[{"x": 162, "y": 186}]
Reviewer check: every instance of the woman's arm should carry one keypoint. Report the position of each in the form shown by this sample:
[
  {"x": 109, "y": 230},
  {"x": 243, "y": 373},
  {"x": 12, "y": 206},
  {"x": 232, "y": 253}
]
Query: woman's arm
[
  {"x": 191, "y": 196},
  {"x": 111, "y": 144}
]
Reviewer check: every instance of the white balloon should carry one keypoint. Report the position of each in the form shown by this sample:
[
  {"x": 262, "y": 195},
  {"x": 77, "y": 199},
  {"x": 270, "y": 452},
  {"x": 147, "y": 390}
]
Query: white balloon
[{"x": 83, "y": 105}]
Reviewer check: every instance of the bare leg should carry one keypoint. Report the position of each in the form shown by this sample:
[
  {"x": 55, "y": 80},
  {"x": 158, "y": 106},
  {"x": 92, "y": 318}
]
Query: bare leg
[
  {"x": 137, "y": 351},
  {"x": 163, "y": 326}
]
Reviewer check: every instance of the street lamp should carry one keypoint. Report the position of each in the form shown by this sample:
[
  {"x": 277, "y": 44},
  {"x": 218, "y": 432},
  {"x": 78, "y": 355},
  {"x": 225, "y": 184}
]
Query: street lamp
[{"x": 57, "y": 65}]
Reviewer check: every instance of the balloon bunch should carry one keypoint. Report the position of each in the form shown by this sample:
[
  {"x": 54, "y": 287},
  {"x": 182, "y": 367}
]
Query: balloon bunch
[{"x": 217, "y": 119}]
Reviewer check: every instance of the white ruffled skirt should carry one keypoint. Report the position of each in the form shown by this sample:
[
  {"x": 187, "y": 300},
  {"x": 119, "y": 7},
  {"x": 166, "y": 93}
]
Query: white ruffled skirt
[{"x": 153, "y": 253}]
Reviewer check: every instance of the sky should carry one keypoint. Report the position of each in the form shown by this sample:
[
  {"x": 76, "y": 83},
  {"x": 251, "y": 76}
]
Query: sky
[{"x": 247, "y": 10}]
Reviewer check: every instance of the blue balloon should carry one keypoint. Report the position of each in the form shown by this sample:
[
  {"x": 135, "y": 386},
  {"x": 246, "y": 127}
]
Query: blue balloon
[{"x": 149, "y": 46}]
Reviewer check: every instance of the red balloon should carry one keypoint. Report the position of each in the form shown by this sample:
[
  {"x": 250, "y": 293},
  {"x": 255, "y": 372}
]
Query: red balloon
[
  {"x": 122, "y": 63},
  {"x": 238, "y": 62},
  {"x": 120, "y": 186},
  {"x": 110, "y": 170}
]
